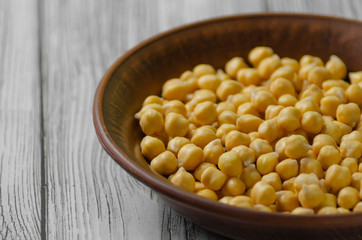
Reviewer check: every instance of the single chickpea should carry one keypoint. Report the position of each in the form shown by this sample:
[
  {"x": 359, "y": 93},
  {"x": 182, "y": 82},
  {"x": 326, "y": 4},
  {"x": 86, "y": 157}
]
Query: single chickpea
[
  {"x": 328, "y": 211},
  {"x": 225, "y": 106},
  {"x": 348, "y": 197},
  {"x": 208, "y": 193},
  {"x": 356, "y": 180},
  {"x": 260, "y": 146},
  {"x": 346, "y": 129},
  {"x": 202, "y": 136},
  {"x": 338, "y": 92},
  {"x": 328, "y": 155},
  {"x": 273, "y": 179},
  {"x": 337, "y": 67},
  {"x": 233, "y": 187},
  {"x": 281, "y": 86},
  {"x": 247, "y": 155},
  {"x": 213, "y": 178},
  {"x": 192, "y": 129},
  {"x": 151, "y": 122},
  {"x": 263, "y": 193},
  {"x": 312, "y": 122},
  {"x": 253, "y": 136},
  {"x": 247, "y": 123},
  {"x": 247, "y": 108},
  {"x": 290, "y": 62},
  {"x": 318, "y": 75},
  {"x": 222, "y": 75},
  {"x": 272, "y": 111},
  {"x": 262, "y": 99},
  {"x": 175, "y": 106},
  {"x": 280, "y": 148},
  {"x": 329, "y": 105},
  {"x": 305, "y": 179},
  {"x": 248, "y": 89},
  {"x": 223, "y": 130},
  {"x": 354, "y": 135},
  {"x": 238, "y": 99},
  {"x": 175, "y": 144},
  {"x": 201, "y": 168},
  {"x": 351, "y": 149},
  {"x": 212, "y": 151},
  {"x": 287, "y": 168},
  {"x": 330, "y": 200},
  {"x": 348, "y": 113},
  {"x": 311, "y": 165},
  {"x": 296, "y": 146},
  {"x": 267, "y": 162},
  {"x": 257, "y": 54},
  {"x": 153, "y": 99},
  {"x": 268, "y": 65},
  {"x": 355, "y": 77},
  {"x": 334, "y": 83},
  {"x": 288, "y": 119},
  {"x": 287, "y": 100},
  {"x": 208, "y": 81},
  {"x": 184, "y": 180},
  {"x": 248, "y": 76},
  {"x": 235, "y": 138},
  {"x": 358, "y": 207},
  {"x": 322, "y": 140},
  {"x": 262, "y": 208},
  {"x": 175, "y": 89},
  {"x": 303, "y": 211},
  {"x": 304, "y": 71},
  {"x": 227, "y": 117},
  {"x": 289, "y": 184},
  {"x": 286, "y": 201},
  {"x": 151, "y": 147},
  {"x": 307, "y": 104},
  {"x": 250, "y": 176},
  {"x": 190, "y": 156},
  {"x": 332, "y": 129},
  {"x": 176, "y": 125},
  {"x": 227, "y": 88},
  {"x": 165, "y": 163},
  {"x": 338, "y": 177},
  {"x": 204, "y": 113},
  {"x": 285, "y": 71},
  {"x": 225, "y": 200},
  {"x": 203, "y": 69},
  {"x": 199, "y": 186},
  {"x": 234, "y": 65},
  {"x": 312, "y": 91},
  {"x": 309, "y": 59},
  {"x": 230, "y": 164},
  {"x": 200, "y": 96},
  {"x": 268, "y": 130},
  {"x": 242, "y": 202},
  {"x": 310, "y": 196}
]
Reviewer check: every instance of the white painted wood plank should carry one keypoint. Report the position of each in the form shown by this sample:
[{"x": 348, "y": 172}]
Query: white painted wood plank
[
  {"x": 90, "y": 196},
  {"x": 20, "y": 148}
]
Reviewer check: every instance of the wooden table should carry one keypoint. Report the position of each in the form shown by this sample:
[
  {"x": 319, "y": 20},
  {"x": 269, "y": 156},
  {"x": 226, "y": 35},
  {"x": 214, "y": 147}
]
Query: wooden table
[{"x": 56, "y": 182}]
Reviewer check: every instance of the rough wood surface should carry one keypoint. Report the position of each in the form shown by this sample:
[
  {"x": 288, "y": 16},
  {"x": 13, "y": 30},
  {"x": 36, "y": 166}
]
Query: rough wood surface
[
  {"x": 87, "y": 195},
  {"x": 20, "y": 121}
]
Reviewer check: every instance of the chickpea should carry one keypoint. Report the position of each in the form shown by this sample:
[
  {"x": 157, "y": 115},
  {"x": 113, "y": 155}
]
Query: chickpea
[
  {"x": 204, "y": 113},
  {"x": 151, "y": 122},
  {"x": 253, "y": 136},
  {"x": 286, "y": 200},
  {"x": 348, "y": 113},
  {"x": 307, "y": 104},
  {"x": 247, "y": 123},
  {"x": 234, "y": 65},
  {"x": 233, "y": 187},
  {"x": 226, "y": 200},
  {"x": 208, "y": 193},
  {"x": 248, "y": 76},
  {"x": 337, "y": 67},
  {"x": 328, "y": 211},
  {"x": 199, "y": 186},
  {"x": 287, "y": 169},
  {"x": 288, "y": 119},
  {"x": 272, "y": 111},
  {"x": 213, "y": 178},
  {"x": 348, "y": 197},
  {"x": 310, "y": 196},
  {"x": 280, "y": 148},
  {"x": 257, "y": 54},
  {"x": 262, "y": 99},
  {"x": 176, "y": 125},
  {"x": 354, "y": 135},
  {"x": 208, "y": 81},
  {"x": 212, "y": 151},
  {"x": 247, "y": 108},
  {"x": 203, "y": 69},
  {"x": 267, "y": 162},
  {"x": 242, "y": 202},
  {"x": 273, "y": 179},
  {"x": 238, "y": 99},
  {"x": 310, "y": 165},
  {"x": 263, "y": 193},
  {"x": 318, "y": 75},
  {"x": 223, "y": 130},
  {"x": 201, "y": 168},
  {"x": 227, "y": 117},
  {"x": 281, "y": 86},
  {"x": 260, "y": 146},
  {"x": 328, "y": 155},
  {"x": 190, "y": 156},
  {"x": 247, "y": 155},
  {"x": 200, "y": 96},
  {"x": 235, "y": 138},
  {"x": 250, "y": 176},
  {"x": 305, "y": 179},
  {"x": 296, "y": 146},
  {"x": 329, "y": 105},
  {"x": 151, "y": 147},
  {"x": 262, "y": 208},
  {"x": 355, "y": 77},
  {"x": 338, "y": 92},
  {"x": 334, "y": 83},
  {"x": 184, "y": 180},
  {"x": 225, "y": 106},
  {"x": 289, "y": 184},
  {"x": 309, "y": 59},
  {"x": 285, "y": 71},
  {"x": 356, "y": 180},
  {"x": 338, "y": 177},
  {"x": 202, "y": 136},
  {"x": 287, "y": 100},
  {"x": 268, "y": 130},
  {"x": 303, "y": 211},
  {"x": 290, "y": 62},
  {"x": 345, "y": 129},
  {"x": 230, "y": 164},
  {"x": 358, "y": 207},
  {"x": 227, "y": 88},
  {"x": 268, "y": 65},
  {"x": 175, "y": 89},
  {"x": 175, "y": 106},
  {"x": 312, "y": 91},
  {"x": 351, "y": 149},
  {"x": 165, "y": 163},
  {"x": 312, "y": 122},
  {"x": 332, "y": 129},
  {"x": 322, "y": 140},
  {"x": 305, "y": 70},
  {"x": 330, "y": 200}
]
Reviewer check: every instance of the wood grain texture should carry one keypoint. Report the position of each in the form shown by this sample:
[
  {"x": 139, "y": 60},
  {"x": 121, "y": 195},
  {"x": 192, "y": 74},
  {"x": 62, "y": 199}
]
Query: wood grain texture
[
  {"x": 89, "y": 196},
  {"x": 20, "y": 142}
]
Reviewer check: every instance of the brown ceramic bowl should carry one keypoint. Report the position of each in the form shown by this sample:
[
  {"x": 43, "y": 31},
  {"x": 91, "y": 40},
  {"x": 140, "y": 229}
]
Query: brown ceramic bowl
[{"x": 143, "y": 69}]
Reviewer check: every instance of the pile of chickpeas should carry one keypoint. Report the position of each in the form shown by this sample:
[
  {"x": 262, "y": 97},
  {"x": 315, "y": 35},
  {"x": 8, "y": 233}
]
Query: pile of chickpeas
[{"x": 274, "y": 134}]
